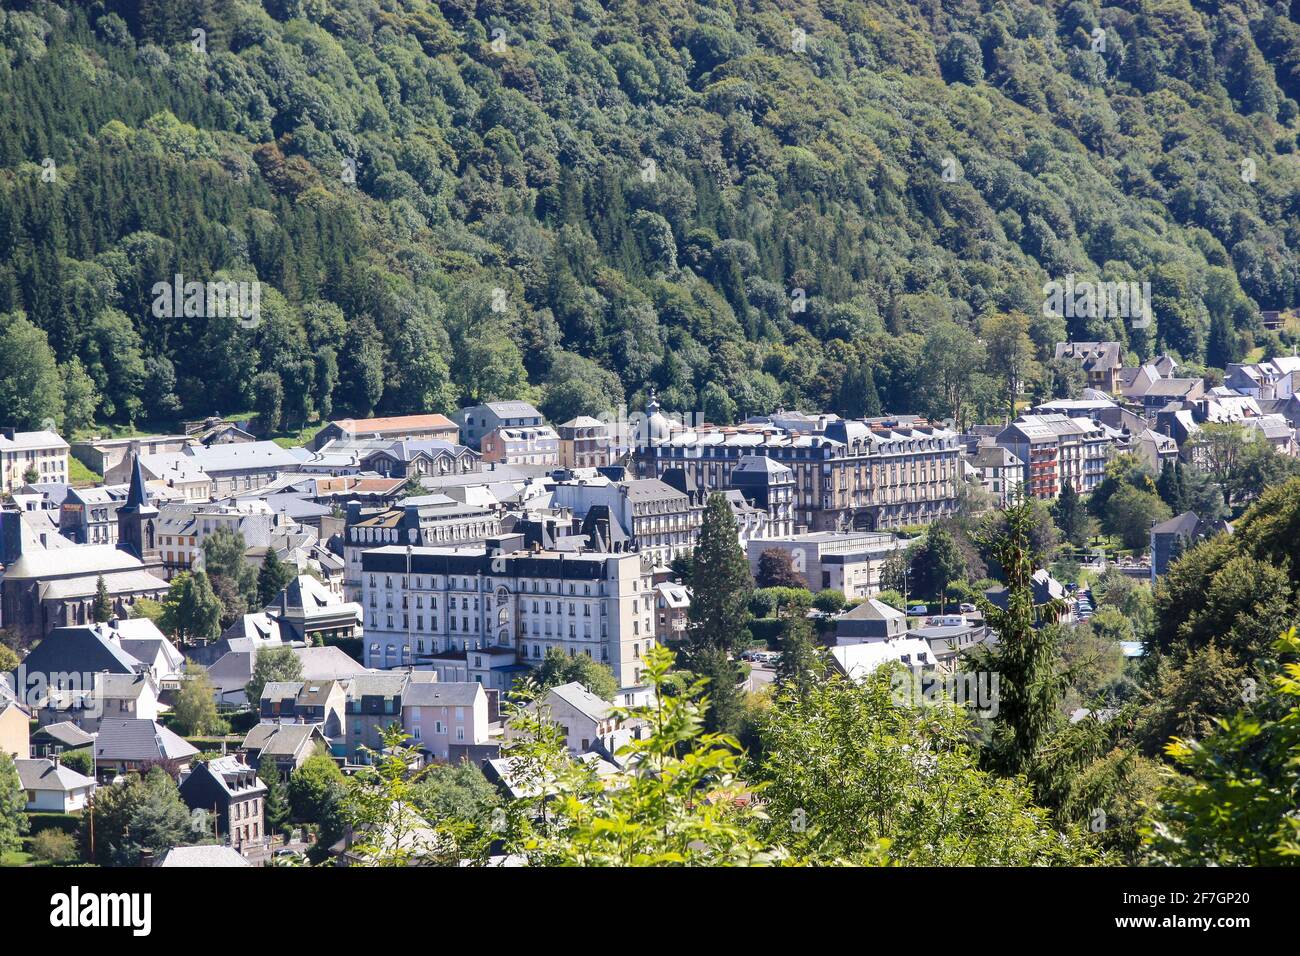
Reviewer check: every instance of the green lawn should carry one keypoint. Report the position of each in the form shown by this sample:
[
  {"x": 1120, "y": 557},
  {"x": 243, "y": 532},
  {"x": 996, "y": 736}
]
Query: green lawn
[
  {"x": 80, "y": 474},
  {"x": 15, "y": 858},
  {"x": 293, "y": 439}
]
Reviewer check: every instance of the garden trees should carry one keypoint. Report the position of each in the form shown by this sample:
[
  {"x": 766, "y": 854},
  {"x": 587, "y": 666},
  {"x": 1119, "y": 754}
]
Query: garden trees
[
  {"x": 1232, "y": 802},
  {"x": 144, "y": 813},
  {"x": 31, "y": 389},
  {"x": 776, "y": 570},
  {"x": 275, "y": 807},
  {"x": 1071, "y": 517},
  {"x": 1011, "y": 356},
  {"x": 849, "y": 770},
  {"x": 1130, "y": 514},
  {"x": 190, "y": 610},
  {"x": 678, "y": 801},
  {"x": 195, "y": 707},
  {"x": 559, "y": 668},
  {"x": 936, "y": 563},
  {"x": 272, "y": 664},
  {"x": 232, "y": 576},
  {"x": 13, "y": 801},
  {"x": 103, "y": 609}
]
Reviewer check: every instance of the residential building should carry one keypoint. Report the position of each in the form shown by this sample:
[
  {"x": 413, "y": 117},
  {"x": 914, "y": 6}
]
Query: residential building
[
  {"x": 768, "y": 485},
  {"x": 1000, "y": 471},
  {"x": 206, "y": 857},
  {"x": 284, "y": 746},
  {"x": 582, "y": 717},
  {"x": 15, "y": 721},
  {"x": 1165, "y": 390},
  {"x": 871, "y": 620},
  {"x": 868, "y": 474},
  {"x": 428, "y": 521},
  {"x": 124, "y": 745},
  {"x": 319, "y": 702},
  {"x": 1100, "y": 361},
  {"x": 421, "y": 601},
  {"x": 1278, "y": 377},
  {"x": 849, "y": 561},
  {"x": 60, "y": 738},
  {"x": 181, "y": 475},
  {"x": 306, "y": 611},
  {"x": 421, "y": 458},
  {"x": 411, "y": 427},
  {"x": 1169, "y": 539},
  {"x": 521, "y": 445},
  {"x": 230, "y": 788},
  {"x": 108, "y": 697},
  {"x": 441, "y": 717},
  {"x": 478, "y": 420},
  {"x": 374, "y": 703},
  {"x": 89, "y": 515},
  {"x": 672, "y": 611},
  {"x": 650, "y": 515},
  {"x": 584, "y": 443},
  {"x": 53, "y": 788},
  {"x": 1046, "y": 591},
  {"x": 232, "y": 671},
  {"x": 858, "y": 661},
  {"x": 1057, "y": 449},
  {"x": 22, "y": 453}
]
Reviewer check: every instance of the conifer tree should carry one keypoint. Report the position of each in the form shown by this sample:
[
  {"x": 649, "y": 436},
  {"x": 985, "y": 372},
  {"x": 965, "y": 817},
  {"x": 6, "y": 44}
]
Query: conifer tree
[
  {"x": 720, "y": 581},
  {"x": 103, "y": 602}
]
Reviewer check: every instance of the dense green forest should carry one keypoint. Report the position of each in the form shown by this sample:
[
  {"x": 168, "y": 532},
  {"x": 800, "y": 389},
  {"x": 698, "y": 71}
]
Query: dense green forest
[{"x": 744, "y": 204}]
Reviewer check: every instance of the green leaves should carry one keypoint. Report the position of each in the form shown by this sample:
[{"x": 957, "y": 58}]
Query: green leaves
[{"x": 1232, "y": 799}]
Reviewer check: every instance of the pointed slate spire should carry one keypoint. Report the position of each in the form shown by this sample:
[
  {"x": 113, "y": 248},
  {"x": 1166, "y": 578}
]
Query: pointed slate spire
[{"x": 138, "y": 496}]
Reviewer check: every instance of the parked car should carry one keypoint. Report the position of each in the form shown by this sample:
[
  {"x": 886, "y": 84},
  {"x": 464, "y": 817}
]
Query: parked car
[
  {"x": 918, "y": 609},
  {"x": 968, "y": 608}
]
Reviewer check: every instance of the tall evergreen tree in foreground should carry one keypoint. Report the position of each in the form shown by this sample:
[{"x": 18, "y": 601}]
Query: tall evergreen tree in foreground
[
  {"x": 720, "y": 581},
  {"x": 1025, "y": 659}
]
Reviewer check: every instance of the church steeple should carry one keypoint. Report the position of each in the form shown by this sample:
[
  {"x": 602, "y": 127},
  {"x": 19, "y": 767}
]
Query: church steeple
[{"x": 136, "y": 518}]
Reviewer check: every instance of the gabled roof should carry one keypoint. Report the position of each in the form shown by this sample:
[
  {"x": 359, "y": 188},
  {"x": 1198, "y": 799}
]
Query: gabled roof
[
  {"x": 872, "y": 610},
  {"x": 46, "y": 775},
  {"x": 581, "y": 700},
  {"x": 396, "y": 423},
  {"x": 1183, "y": 524},
  {"x": 140, "y": 740},
  {"x": 66, "y": 733},
  {"x": 437, "y": 694},
  {"x": 856, "y": 661},
  {"x": 280, "y": 740},
  {"x": 231, "y": 774},
  {"x": 513, "y": 409},
  {"x": 79, "y": 650},
  {"x": 202, "y": 856}
]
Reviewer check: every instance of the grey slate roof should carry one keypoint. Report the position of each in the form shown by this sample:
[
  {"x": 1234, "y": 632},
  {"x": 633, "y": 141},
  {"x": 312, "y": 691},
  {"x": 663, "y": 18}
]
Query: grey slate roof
[
  {"x": 452, "y": 694},
  {"x": 137, "y": 739},
  {"x": 79, "y": 650},
  {"x": 204, "y": 856}
]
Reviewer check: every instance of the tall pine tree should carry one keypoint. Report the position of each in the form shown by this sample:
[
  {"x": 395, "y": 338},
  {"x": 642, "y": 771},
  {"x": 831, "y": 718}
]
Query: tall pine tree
[{"x": 720, "y": 581}]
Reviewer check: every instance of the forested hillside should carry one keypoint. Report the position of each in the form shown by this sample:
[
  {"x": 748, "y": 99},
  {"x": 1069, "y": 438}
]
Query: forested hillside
[{"x": 742, "y": 204}]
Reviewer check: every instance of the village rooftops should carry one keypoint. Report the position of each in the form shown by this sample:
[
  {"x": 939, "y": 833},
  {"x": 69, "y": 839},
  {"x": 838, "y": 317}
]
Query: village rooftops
[
  {"x": 394, "y": 424},
  {"x": 11, "y": 441}
]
